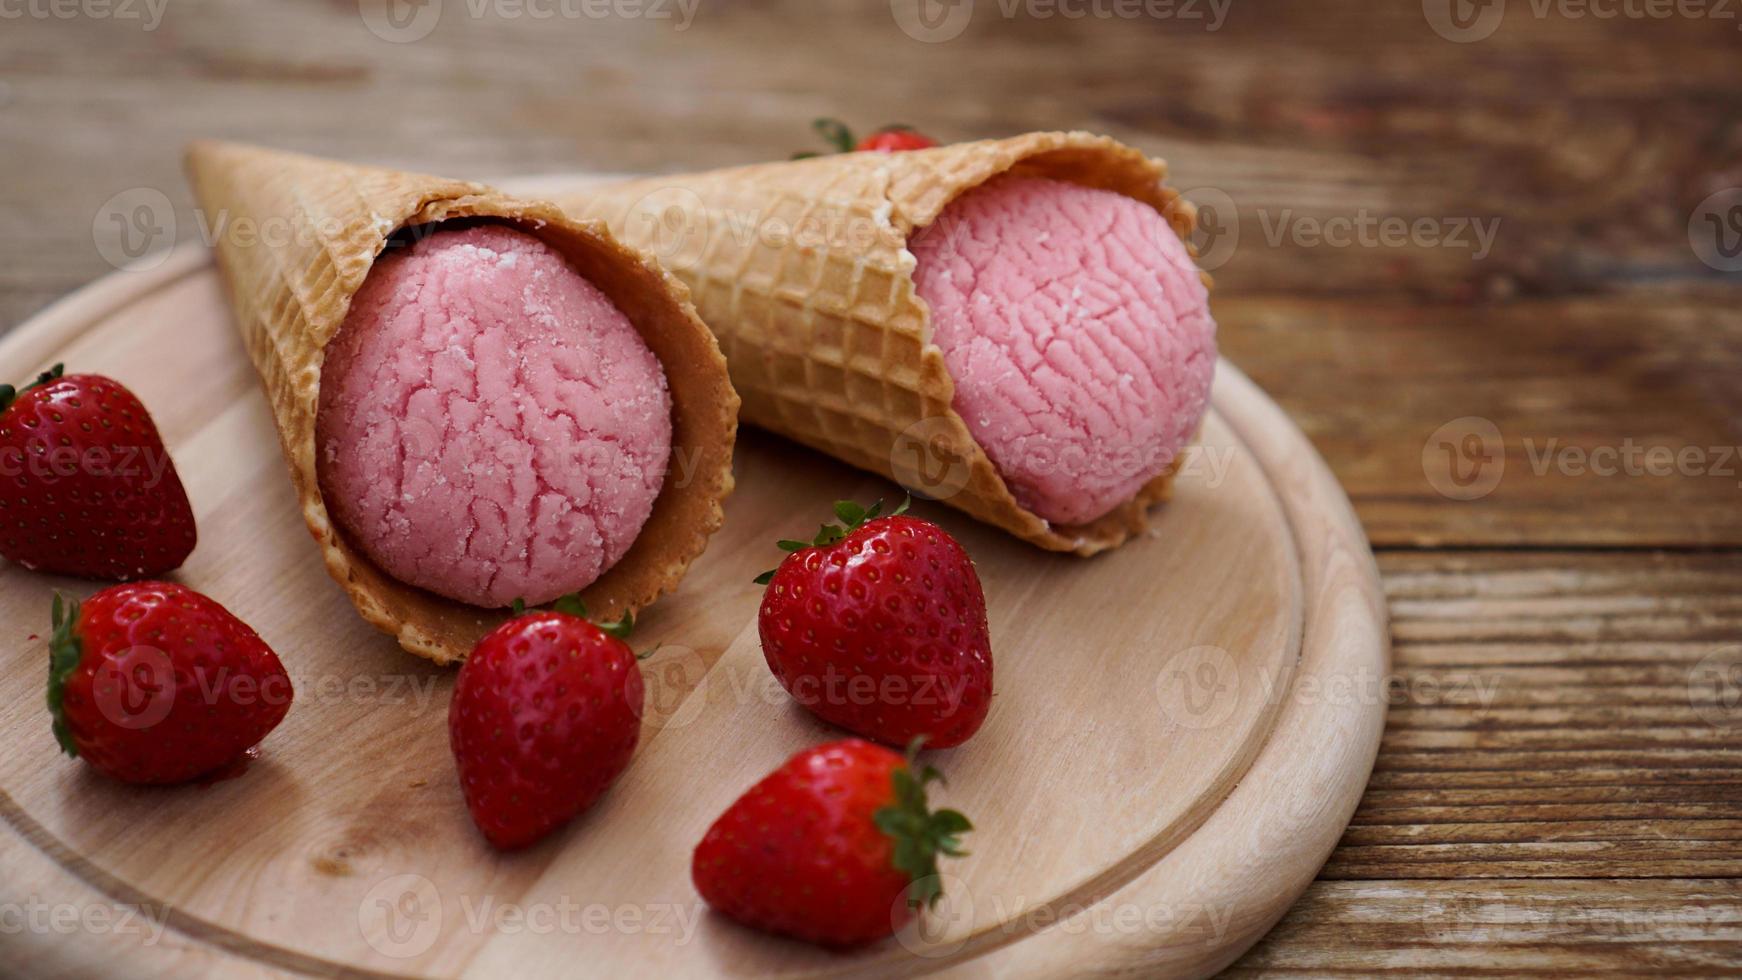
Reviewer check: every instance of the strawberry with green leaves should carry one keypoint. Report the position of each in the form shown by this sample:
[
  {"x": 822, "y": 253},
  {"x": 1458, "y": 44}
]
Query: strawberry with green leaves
[
  {"x": 890, "y": 139},
  {"x": 838, "y": 846},
  {"x": 151, "y": 682},
  {"x": 86, "y": 486},
  {"x": 878, "y": 625},
  {"x": 545, "y": 716}
]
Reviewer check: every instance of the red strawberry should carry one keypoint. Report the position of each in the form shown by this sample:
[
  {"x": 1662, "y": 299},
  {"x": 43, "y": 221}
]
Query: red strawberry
[
  {"x": 545, "y": 715},
  {"x": 154, "y": 683},
  {"x": 895, "y": 139},
  {"x": 835, "y": 847},
  {"x": 880, "y": 627},
  {"x": 885, "y": 140},
  {"x": 86, "y": 487}
]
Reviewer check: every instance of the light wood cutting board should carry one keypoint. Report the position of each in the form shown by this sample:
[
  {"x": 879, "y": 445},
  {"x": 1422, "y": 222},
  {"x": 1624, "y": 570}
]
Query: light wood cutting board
[{"x": 1181, "y": 728}]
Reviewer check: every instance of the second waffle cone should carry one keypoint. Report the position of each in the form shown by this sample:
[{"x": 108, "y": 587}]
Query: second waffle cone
[{"x": 802, "y": 270}]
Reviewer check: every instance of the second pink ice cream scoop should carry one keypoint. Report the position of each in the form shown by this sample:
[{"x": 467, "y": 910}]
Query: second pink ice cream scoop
[{"x": 1077, "y": 331}]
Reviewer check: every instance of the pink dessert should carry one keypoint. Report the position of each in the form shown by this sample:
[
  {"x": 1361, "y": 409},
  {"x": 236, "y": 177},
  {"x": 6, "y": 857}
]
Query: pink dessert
[
  {"x": 491, "y": 427},
  {"x": 1078, "y": 334}
]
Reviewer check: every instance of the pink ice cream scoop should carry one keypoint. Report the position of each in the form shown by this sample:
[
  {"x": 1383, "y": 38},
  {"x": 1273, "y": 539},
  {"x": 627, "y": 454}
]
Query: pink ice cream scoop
[
  {"x": 1078, "y": 334},
  {"x": 491, "y": 427}
]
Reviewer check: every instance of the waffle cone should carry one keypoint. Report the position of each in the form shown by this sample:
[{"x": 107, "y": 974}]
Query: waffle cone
[
  {"x": 802, "y": 270},
  {"x": 296, "y": 236}
]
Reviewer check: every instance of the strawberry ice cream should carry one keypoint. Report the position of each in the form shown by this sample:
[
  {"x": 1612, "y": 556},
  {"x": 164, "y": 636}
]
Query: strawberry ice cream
[
  {"x": 1078, "y": 334},
  {"x": 491, "y": 427}
]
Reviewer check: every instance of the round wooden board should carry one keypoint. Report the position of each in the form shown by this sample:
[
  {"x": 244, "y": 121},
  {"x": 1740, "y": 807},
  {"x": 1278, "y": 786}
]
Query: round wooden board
[{"x": 1181, "y": 731}]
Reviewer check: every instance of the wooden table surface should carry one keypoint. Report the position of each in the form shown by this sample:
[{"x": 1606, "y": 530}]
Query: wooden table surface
[{"x": 1481, "y": 254}]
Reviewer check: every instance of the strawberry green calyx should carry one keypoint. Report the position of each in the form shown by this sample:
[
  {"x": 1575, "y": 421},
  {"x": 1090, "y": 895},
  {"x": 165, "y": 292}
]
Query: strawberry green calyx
[
  {"x": 835, "y": 133},
  {"x": 919, "y": 834},
  {"x": 572, "y": 605},
  {"x": 64, "y": 650},
  {"x": 852, "y": 518},
  {"x": 9, "y": 394},
  {"x": 840, "y": 139}
]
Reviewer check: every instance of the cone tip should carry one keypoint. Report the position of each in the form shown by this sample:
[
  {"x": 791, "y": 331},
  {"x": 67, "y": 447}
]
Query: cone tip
[{"x": 201, "y": 152}]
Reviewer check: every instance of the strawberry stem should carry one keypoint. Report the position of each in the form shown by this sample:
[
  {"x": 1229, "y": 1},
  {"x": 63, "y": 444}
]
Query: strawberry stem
[
  {"x": 919, "y": 834},
  {"x": 852, "y": 518},
  {"x": 572, "y": 605},
  {"x": 64, "y": 651},
  {"x": 621, "y": 628},
  {"x": 9, "y": 394},
  {"x": 836, "y": 134}
]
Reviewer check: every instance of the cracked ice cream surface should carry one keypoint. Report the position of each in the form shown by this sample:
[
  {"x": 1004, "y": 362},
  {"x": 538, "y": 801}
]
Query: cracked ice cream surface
[
  {"x": 1078, "y": 335},
  {"x": 490, "y": 427}
]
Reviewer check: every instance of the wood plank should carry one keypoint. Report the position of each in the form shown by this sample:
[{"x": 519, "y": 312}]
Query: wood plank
[
  {"x": 1506, "y": 928},
  {"x": 1649, "y": 380},
  {"x": 1555, "y": 715}
]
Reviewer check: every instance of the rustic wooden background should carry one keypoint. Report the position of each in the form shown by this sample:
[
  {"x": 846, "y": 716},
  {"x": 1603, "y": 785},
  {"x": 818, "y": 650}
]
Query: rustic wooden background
[{"x": 1560, "y": 785}]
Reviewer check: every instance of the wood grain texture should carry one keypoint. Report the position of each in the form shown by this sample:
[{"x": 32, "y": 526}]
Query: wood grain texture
[
  {"x": 1185, "y": 762},
  {"x": 1591, "y": 320},
  {"x": 1583, "y": 145}
]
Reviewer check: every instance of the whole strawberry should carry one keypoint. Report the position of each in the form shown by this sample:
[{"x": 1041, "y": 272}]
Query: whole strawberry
[
  {"x": 154, "y": 683},
  {"x": 835, "y": 847},
  {"x": 545, "y": 715},
  {"x": 86, "y": 487},
  {"x": 878, "y": 625}
]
